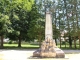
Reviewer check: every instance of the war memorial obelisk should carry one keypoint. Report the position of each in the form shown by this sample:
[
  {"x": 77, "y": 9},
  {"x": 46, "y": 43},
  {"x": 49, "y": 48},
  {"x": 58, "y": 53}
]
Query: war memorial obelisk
[{"x": 48, "y": 47}]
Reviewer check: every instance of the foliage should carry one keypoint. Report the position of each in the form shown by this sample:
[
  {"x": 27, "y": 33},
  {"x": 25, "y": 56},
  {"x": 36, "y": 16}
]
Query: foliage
[
  {"x": 4, "y": 23},
  {"x": 25, "y": 18},
  {"x": 36, "y": 26},
  {"x": 14, "y": 18},
  {"x": 19, "y": 17}
]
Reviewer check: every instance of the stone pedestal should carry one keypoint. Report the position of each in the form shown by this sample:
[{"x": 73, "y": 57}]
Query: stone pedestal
[{"x": 49, "y": 50}]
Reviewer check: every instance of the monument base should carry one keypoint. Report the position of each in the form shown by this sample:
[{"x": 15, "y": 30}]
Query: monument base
[
  {"x": 49, "y": 50},
  {"x": 57, "y": 54}
]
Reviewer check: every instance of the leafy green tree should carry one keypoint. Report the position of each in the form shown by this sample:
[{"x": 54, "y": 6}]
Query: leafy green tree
[
  {"x": 65, "y": 16},
  {"x": 14, "y": 11},
  {"x": 36, "y": 26},
  {"x": 37, "y": 30},
  {"x": 4, "y": 19},
  {"x": 4, "y": 25},
  {"x": 19, "y": 17}
]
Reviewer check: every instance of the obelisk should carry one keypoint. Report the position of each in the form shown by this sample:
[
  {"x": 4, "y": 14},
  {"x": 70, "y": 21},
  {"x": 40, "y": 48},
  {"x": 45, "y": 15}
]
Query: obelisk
[
  {"x": 48, "y": 26},
  {"x": 48, "y": 47}
]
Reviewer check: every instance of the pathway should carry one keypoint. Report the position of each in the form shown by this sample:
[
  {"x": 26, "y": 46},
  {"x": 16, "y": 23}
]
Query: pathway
[{"x": 25, "y": 55}]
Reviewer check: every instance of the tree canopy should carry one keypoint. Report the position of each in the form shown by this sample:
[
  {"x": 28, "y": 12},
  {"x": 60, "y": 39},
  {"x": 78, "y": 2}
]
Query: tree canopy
[{"x": 25, "y": 19}]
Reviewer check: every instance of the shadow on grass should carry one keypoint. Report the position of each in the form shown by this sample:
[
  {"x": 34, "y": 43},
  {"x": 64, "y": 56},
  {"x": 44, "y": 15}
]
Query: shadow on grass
[
  {"x": 68, "y": 48},
  {"x": 32, "y": 46},
  {"x": 22, "y": 48},
  {"x": 14, "y": 47}
]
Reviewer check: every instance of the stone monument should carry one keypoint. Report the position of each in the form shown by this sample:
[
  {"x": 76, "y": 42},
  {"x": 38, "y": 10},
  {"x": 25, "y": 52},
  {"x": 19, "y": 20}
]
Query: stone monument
[{"x": 48, "y": 47}]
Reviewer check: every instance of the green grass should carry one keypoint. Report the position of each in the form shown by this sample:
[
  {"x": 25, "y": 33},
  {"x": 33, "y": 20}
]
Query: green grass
[
  {"x": 23, "y": 46},
  {"x": 67, "y": 46},
  {"x": 33, "y": 46}
]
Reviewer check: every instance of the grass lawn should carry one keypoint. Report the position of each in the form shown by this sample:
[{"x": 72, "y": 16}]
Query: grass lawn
[
  {"x": 33, "y": 46},
  {"x": 23, "y": 46}
]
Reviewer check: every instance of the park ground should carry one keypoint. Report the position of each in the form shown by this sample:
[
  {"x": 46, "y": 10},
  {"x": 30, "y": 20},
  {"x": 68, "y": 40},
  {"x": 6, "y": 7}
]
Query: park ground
[{"x": 25, "y": 54}]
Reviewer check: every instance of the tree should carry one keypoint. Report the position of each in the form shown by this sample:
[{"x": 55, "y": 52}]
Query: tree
[
  {"x": 4, "y": 25},
  {"x": 4, "y": 19},
  {"x": 19, "y": 17},
  {"x": 66, "y": 16},
  {"x": 36, "y": 26}
]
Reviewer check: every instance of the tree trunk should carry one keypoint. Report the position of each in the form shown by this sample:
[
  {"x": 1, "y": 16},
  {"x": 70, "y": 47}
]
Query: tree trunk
[
  {"x": 65, "y": 42},
  {"x": 56, "y": 41},
  {"x": 70, "y": 42},
  {"x": 19, "y": 42},
  {"x": 39, "y": 39},
  {"x": 59, "y": 29},
  {"x": 60, "y": 41},
  {"x": 2, "y": 37},
  {"x": 74, "y": 42},
  {"x": 39, "y": 42},
  {"x": 55, "y": 28},
  {"x": 79, "y": 41}
]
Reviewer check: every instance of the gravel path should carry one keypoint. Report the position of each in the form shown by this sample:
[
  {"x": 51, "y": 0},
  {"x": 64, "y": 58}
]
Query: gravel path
[{"x": 25, "y": 55}]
